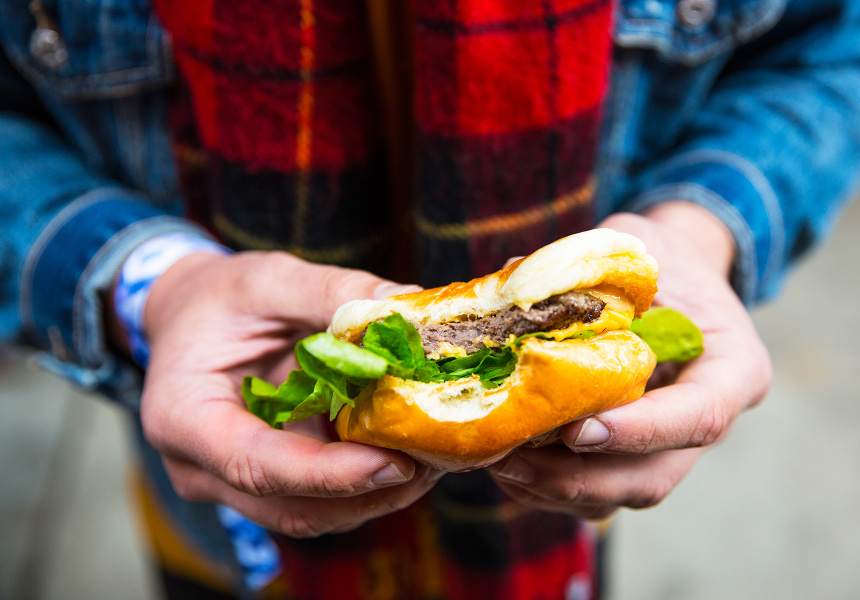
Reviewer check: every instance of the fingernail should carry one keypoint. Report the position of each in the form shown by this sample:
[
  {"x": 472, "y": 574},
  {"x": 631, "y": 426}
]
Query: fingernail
[
  {"x": 389, "y": 288},
  {"x": 388, "y": 475},
  {"x": 517, "y": 470},
  {"x": 593, "y": 432},
  {"x": 511, "y": 261}
]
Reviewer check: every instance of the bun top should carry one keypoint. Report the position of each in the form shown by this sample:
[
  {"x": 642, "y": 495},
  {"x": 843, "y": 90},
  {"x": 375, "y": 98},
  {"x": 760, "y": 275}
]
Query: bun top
[{"x": 577, "y": 262}]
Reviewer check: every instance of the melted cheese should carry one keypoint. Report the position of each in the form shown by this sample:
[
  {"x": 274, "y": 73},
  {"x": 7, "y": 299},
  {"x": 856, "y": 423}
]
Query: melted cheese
[
  {"x": 447, "y": 349},
  {"x": 617, "y": 314}
]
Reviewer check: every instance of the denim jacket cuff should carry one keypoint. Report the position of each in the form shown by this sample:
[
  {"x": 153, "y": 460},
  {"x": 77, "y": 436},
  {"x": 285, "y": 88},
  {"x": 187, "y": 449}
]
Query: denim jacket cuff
[
  {"x": 71, "y": 265},
  {"x": 736, "y": 192}
]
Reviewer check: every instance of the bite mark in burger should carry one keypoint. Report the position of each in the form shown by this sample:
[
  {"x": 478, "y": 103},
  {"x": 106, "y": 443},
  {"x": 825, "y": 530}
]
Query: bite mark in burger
[{"x": 459, "y": 376}]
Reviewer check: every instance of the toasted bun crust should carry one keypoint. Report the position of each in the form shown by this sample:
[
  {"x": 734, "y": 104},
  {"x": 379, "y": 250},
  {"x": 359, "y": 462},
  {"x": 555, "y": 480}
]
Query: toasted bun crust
[
  {"x": 583, "y": 260},
  {"x": 459, "y": 426}
]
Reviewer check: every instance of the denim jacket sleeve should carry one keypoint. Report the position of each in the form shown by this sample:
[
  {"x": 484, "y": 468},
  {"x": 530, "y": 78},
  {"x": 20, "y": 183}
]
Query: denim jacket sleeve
[
  {"x": 68, "y": 217},
  {"x": 774, "y": 149}
]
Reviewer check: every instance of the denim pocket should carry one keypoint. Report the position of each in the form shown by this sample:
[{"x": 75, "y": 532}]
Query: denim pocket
[
  {"x": 86, "y": 49},
  {"x": 690, "y": 32}
]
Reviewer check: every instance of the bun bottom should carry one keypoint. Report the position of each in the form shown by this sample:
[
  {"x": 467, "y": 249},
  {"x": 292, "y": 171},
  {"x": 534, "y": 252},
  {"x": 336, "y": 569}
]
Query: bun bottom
[{"x": 460, "y": 426}]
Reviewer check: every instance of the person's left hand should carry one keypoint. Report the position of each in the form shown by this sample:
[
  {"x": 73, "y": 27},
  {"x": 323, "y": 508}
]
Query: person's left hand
[{"x": 636, "y": 454}]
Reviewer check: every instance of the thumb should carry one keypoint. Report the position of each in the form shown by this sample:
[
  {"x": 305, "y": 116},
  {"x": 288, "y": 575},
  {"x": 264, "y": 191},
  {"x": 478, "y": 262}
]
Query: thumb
[
  {"x": 324, "y": 289},
  {"x": 389, "y": 288}
]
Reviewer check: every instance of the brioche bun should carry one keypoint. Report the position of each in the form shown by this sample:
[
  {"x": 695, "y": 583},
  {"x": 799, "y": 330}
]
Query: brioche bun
[{"x": 460, "y": 425}]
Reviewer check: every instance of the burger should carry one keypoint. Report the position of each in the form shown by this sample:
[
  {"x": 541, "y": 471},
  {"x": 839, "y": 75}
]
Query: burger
[{"x": 459, "y": 376}]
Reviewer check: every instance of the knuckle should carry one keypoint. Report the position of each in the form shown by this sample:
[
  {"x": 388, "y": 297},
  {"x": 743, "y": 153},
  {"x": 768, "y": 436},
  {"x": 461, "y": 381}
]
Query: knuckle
[
  {"x": 256, "y": 263},
  {"x": 576, "y": 492},
  {"x": 186, "y": 490},
  {"x": 571, "y": 489},
  {"x": 331, "y": 485},
  {"x": 658, "y": 490},
  {"x": 331, "y": 281},
  {"x": 342, "y": 284},
  {"x": 246, "y": 475},
  {"x": 713, "y": 422},
  {"x": 277, "y": 260},
  {"x": 180, "y": 484},
  {"x": 252, "y": 267},
  {"x": 302, "y": 525},
  {"x": 646, "y": 441},
  {"x": 337, "y": 282},
  {"x": 184, "y": 483}
]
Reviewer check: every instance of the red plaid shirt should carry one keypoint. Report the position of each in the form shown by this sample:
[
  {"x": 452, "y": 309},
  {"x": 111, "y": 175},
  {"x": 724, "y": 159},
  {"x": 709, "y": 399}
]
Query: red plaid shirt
[{"x": 429, "y": 143}]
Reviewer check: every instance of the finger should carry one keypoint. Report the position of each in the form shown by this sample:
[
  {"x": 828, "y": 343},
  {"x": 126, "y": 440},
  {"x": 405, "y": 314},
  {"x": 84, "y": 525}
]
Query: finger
[
  {"x": 588, "y": 513},
  {"x": 242, "y": 450},
  {"x": 318, "y": 427},
  {"x": 299, "y": 516},
  {"x": 665, "y": 374},
  {"x": 310, "y": 517},
  {"x": 511, "y": 261},
  {"x": 595, "y": 484},
  {"x": 309, "y": 291},
  {"x": 697, "y": 410}
]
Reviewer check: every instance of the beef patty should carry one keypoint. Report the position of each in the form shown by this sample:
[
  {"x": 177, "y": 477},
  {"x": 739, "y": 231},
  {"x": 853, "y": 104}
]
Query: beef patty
[{"x": 556, "y": 312}]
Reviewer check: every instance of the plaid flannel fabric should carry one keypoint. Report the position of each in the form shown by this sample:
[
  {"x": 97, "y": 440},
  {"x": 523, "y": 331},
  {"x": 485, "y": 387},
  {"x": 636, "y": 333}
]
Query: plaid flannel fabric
[
  {"x": 281, "y": 144},
  {"x": 277, "y": 131},
  {"x": 508, "y": 105},
  {"x": 280, "y": 138},
  {"x": 462, "y": 542}
]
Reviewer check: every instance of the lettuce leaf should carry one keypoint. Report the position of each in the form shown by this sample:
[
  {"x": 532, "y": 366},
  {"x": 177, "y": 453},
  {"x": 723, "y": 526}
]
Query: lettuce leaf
[
  {"x": 398, "y": 342},
  {"x": 671, "y": 334},
  {"x": 343, "y": 357},
  {"x": 492, "y": 367},
  {"x": 276, "y": 405},
  {"x": 333, "y": 372},
  {"x": 331, "y": 375}
]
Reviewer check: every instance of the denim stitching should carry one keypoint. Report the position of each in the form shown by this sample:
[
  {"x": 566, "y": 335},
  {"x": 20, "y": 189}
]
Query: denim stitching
[
  {"x": 66, "y": 214},
  {"x": 761, "y": 184},
  {"x": 100, "y": 270},
  {"x": 614, "y": 151}
]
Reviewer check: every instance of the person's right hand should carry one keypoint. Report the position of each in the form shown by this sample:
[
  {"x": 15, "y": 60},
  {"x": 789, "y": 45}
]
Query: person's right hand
[{"x": 211, "y": 320}]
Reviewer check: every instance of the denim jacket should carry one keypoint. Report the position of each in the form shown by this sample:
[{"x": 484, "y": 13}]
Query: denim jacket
[{"x": 750, "y": 108}]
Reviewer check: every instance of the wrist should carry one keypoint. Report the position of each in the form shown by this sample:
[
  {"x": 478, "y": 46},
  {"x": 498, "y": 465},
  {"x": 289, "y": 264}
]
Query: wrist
[
  {"x": 135, "y": 282},
  {"x": 175, "y": 288},
  {"x": 704, "y": 229}
]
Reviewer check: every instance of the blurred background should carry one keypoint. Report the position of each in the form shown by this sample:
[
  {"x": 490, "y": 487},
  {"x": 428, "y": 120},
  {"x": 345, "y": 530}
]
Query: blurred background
[{"x": 773, "y": 512}]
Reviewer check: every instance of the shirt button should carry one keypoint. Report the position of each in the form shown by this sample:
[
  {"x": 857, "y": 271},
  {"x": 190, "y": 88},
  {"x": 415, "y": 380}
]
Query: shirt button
[
  {"x": 46, "y": 43},
  {"x": 695, "y": 13}
]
